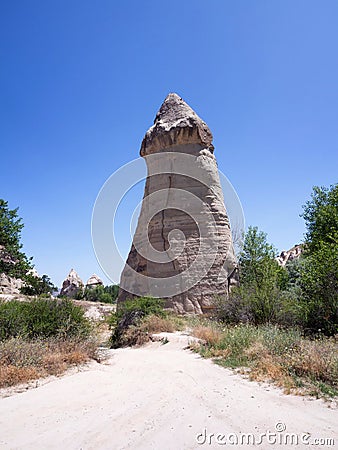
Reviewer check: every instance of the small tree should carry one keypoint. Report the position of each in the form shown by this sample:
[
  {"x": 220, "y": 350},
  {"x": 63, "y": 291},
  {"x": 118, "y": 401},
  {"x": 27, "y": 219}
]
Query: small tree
[
  {"x": 261, "y": 280},
  {"x": 13, "y": 261}
]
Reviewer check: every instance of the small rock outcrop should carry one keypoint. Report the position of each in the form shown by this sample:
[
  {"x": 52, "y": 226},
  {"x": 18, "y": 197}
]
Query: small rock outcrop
[
  {"x": 71, "y": 285},
  {"x": 182, "y": 249},
  {"x": 289, "y": 255},
  {"x": 94, "y": 281},
  {"x": 10, "y": 285}
]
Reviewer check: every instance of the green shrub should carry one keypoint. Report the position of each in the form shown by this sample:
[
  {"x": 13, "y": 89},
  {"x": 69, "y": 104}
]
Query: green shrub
[
  {"x": 42, "y": 318},
  {"x": 128, "y": 318},
  {"x": 145, "y": 305}
]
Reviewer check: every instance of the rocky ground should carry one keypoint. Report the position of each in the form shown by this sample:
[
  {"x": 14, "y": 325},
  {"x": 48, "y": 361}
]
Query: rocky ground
[{"x": 160, "y": 396}]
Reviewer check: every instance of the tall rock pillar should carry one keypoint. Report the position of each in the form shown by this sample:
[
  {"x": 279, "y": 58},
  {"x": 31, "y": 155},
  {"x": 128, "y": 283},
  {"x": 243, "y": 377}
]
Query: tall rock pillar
[{"x": 182, "y": 249}]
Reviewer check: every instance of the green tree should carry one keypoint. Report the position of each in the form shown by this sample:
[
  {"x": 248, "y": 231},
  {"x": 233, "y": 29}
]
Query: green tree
[
  {"x": 38, "y": 286},
  {"x": 321, "y": 218},
  {"x": 319, "y": 274},
  {"x": 258, "y": 297},
  {"x": 13, "y": 261},
  {"x": 257, "y": 260}
]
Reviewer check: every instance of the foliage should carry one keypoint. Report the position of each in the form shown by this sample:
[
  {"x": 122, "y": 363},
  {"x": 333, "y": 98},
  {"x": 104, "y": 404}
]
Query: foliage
[
  {"x": 104, "y": 294},
  {"x": 258, "y": 297},
  {"x": 13, "y": 261},
  {"x": 319, "y": 284},
  {"x": 144, "y": 305},
  {"x": 321, "y": 218},
  {"x": 38, "y": 286},
  {"x": 319, "y": 274},
  {"x": 42, "y": 318}
]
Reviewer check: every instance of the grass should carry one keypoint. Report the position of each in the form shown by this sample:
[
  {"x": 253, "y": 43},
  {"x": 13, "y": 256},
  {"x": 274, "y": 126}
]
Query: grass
[
  {"x": 283, "y": 356},
  {"x": 24, "y": 360}
]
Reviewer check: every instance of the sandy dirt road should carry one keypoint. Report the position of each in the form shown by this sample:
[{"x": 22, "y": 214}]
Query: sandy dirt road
[{"x": 161, "y": 397}]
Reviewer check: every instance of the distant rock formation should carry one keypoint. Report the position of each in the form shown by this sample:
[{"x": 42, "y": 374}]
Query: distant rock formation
[
  {"x": 289, "y": 255},
  {"x": 182, "y": 171},
  {"x": 94, "y": 281},
  {"x": 71, "y": 285}
]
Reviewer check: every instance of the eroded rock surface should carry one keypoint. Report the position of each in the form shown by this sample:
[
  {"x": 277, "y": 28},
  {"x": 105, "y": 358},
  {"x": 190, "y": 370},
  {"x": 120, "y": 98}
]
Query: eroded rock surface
[
  {"x": 10, "y": 285},
  {"x": 182, "y": 248},
  {"x": 94, "y": 281}
]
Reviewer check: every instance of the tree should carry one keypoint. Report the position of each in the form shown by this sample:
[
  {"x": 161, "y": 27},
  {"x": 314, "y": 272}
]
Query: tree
[
  {"x": 257, "y": 299},
  {"x": 38, "y": 286},
  {"x": 13, "y": 261},
  {"x": 257, "y": 259},
  {"x": 104, "y": 294},
  {"x": 319, "y": 274},
  {"x": 321, "y": 218}
]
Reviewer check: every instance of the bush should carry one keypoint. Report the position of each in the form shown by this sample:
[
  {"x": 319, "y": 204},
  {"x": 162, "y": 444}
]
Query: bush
[
  {"x": 128, "y": 318},
  {"x": 145, "y": 305},
  {"x": 42, "y": 318}
]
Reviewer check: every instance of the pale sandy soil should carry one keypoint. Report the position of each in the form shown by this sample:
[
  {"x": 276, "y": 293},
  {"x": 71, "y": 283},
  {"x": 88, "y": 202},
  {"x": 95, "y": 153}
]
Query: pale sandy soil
[{"x": 158, "y": 397}]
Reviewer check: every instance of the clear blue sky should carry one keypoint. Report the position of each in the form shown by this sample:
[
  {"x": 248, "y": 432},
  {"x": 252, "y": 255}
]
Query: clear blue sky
[{"x": 81, "y": 81}]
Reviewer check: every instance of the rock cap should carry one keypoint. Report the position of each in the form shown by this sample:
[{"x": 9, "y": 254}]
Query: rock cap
[
  {"x": 94, "y": 280},
  {"x": 176, "y": 124}
]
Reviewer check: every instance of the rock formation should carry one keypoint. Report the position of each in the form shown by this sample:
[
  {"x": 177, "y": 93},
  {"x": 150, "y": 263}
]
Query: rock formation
[
  {"x": 10, "y": 285},
  {"x": 94, "y": 281},
  {"x": 71, "y": 285},
  {"x": 289, "y": 255},
  {"x": 182, "y": 249}
]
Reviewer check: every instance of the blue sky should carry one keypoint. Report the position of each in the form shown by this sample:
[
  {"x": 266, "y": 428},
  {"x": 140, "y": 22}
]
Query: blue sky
[{"x": 81, "y": 82}]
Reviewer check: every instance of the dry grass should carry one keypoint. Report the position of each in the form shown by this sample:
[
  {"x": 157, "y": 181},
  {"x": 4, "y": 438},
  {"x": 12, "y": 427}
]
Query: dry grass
[
  {"x": 155, "y": 324},
  {"x": 268, "y": 353},
  {"x": 210, "y": 335},
  {"x": 22, "y": 361},
  {"x": 317, "y": 359}
]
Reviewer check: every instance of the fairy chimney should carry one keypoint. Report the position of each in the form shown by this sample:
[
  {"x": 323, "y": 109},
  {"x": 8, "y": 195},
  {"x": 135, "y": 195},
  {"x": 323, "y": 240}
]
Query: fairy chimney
[{"x": 182, "y": 249}]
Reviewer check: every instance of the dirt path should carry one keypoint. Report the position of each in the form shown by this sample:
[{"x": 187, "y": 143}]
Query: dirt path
[{"x": 158, "y": 397}]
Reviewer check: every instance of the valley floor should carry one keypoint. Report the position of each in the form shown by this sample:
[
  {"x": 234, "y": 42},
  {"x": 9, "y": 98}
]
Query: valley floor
[{"x": 161, "y": 396}]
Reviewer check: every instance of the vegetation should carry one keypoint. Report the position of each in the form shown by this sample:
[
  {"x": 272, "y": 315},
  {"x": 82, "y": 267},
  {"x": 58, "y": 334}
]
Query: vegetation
[
  {"x": 126, "y": 323},
  {"x": 104, "y": 294},
  {"x": 319, "y": 274},
  {"x": 38, "y": 286},
  {"x": 42, "y": 318},
  {"x": 268, "y": 352},
  {"x": 42, "y": 337},
  {"x": 22, "y": 360},
  {"x": 305, "y": 292},
  {"x": 260, "y": 297},
  {"x": 13, "y": 261}
]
